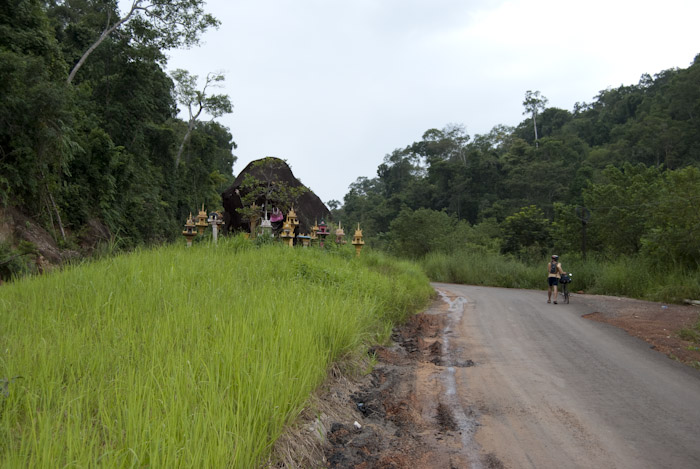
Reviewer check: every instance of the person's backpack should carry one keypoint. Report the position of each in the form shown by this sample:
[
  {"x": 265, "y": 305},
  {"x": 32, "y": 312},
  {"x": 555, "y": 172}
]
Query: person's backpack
[{"x": 552, "y": 267}]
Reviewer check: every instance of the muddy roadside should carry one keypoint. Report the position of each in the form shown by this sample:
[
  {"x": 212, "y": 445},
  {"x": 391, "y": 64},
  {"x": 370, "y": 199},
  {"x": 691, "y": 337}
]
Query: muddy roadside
[{"x": 400, "y": 415}]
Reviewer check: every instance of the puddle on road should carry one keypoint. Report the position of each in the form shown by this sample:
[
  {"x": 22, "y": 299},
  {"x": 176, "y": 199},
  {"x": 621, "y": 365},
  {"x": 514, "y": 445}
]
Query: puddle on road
[{"x": 466, "y": 421}]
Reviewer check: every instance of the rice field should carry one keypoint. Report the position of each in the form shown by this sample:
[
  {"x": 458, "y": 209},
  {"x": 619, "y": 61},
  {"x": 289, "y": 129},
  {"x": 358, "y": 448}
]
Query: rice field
[{"x": 184, "y": 357}]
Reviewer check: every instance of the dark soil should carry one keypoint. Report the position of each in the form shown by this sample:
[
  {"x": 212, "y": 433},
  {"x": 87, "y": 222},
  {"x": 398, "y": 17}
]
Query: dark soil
[{"x": 405, "y": 425}]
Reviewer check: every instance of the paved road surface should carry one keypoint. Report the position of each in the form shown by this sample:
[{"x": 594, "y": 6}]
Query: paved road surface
[{"x": 553, "y": 390}]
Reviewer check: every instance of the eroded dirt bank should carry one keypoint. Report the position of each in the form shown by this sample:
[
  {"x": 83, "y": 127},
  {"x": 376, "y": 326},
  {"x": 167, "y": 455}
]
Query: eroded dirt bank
[{"x": 410, "y": 415}]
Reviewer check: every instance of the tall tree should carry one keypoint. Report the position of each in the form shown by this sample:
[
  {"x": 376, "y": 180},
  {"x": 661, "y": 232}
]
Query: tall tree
[
  {"x": 449, "y": 144},
  {"x": 197, "y": 101},
  {"x": 164, "y": 24},
  {"x": 533, "y": 103}
]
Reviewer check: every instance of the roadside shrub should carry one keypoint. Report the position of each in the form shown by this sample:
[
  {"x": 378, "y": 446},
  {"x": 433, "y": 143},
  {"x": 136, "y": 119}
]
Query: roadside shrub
[
  {"x": 477, "y": 267},
  {"x": 674, "y": 287},
  {"x": 625, "y": 276},
  {"x": 690, "y": 334},
  {"x": 15, "y": 263}
]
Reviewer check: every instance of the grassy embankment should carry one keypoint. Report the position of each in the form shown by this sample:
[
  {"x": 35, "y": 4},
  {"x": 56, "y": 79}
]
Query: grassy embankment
[{"x": 180, "y": 357}]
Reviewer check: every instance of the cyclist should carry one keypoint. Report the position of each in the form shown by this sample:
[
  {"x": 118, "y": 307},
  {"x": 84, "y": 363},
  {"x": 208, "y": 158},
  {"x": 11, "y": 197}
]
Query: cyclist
[{"x": 554, "y": 273}]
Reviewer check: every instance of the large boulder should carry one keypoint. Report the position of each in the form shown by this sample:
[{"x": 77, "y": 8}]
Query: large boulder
[{"x": 309, "y": 208}]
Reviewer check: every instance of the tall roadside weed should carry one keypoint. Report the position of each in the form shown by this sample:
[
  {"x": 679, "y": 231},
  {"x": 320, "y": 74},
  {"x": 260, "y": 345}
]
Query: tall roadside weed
[{"x": 482, "y": 268}]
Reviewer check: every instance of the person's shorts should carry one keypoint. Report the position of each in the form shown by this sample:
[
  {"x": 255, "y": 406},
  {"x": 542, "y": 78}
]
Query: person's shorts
[{"x": 553, "y": 281}]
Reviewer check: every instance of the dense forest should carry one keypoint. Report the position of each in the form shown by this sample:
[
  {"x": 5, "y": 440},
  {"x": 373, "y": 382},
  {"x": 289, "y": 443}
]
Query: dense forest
[
  {"x": 89, "y": 132},
  {"x": 90, "y": 135},
  {"x": 617, "y": 176}
]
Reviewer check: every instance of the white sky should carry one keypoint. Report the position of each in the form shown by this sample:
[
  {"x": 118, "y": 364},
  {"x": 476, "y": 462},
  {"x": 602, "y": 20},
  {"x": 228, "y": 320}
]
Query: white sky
[{"x": 333, "y": 86}]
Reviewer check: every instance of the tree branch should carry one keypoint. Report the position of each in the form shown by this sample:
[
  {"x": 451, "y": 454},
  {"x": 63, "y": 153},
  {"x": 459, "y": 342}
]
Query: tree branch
[{"x": 105, "y": 34}]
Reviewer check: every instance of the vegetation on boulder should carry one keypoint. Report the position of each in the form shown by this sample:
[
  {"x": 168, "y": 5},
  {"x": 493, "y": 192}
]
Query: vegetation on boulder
[{"x": 267, "y": 183}]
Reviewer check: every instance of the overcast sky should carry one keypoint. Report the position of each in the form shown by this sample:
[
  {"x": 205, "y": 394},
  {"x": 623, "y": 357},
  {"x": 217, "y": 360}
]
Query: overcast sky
[{"x": 333, "y": 86}]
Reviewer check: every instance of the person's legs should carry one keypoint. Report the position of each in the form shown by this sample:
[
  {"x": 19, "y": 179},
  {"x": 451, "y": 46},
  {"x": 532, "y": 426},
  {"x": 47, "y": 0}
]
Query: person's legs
[
  {"x": 551, "y": 281},
  {"x": 556, "y": 293}
]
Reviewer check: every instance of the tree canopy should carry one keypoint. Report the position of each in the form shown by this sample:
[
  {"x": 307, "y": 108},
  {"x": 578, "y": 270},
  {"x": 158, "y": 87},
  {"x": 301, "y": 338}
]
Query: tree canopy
[
  {"x": 90, "y": 135},
  {"x": 622, "y": 158},
  {"x": 101, "y": 149},
  {"x": 159, "y": 24}
]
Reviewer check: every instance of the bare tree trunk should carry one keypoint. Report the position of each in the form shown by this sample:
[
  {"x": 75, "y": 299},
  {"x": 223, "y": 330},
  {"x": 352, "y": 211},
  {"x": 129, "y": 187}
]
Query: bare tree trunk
[
  {"x": 49, "y": 211},
  {"x": 190, "y": 126},
  {"x": 107, "y": 31},
  {"x": 534, "y": 123},
  {"x": 56, "y": 212}
]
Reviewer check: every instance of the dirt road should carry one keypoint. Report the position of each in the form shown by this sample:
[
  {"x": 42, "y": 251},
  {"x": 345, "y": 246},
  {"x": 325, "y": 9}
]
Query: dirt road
[
  {"x": 492, "y": 378},
  {"x": 556, "y": 390}
]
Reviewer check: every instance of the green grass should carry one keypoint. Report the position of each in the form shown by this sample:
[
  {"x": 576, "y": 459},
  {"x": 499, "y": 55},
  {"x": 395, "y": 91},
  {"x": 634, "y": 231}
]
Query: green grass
[
  {"x": 178, "y": 357},
  {"x": 691, "y": 334},
  {"x": 480, "y": 268},
  {"x": 625, "y": 276}
]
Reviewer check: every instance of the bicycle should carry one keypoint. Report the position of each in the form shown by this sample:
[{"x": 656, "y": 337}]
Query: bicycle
[{"x": 564, "y": 281}]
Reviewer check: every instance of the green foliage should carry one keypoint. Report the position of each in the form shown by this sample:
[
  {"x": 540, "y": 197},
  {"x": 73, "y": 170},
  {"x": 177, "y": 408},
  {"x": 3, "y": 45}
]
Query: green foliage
[
  {"x": 266, "y": 188},
  {"x": 534, "y": 103},
  {"x": 672, "y": 239},
  {"x": 620, "y": 207},
  {"x": 476, "y": 267},
  {"x": 567, "y": 228},
  {"x": 691, "y": 334},
  {"x": 527, "y": 233},
  {"x": 109, "y": 147},
  {"x": 675, "y": 286},
  {"x": 634, "y": 277},
  {"x": 264, "y": 240},
  {"x": 629, "y": 158},
  {"x": 206, "y": 169},
  {"x": 625, "y": 276},
  {"x": 14, "y": 262},
  {"x": 184, "y": 357},
  {"x": 416, "y": 233},
  {"x": 103, "y": 148},
  {"x": 198, "y": 101},
  {"x": 150, "y": 24},
  {"x": 36, "y": 140}
]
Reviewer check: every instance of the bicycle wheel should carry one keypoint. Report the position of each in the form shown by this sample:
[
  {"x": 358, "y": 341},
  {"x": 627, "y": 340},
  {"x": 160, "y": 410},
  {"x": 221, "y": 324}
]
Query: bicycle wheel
[{"x": 566, "y": 294}]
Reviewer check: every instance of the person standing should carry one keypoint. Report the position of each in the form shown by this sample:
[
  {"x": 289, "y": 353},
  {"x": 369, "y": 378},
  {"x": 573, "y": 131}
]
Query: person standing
[{"x": 554, "y": 273}]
